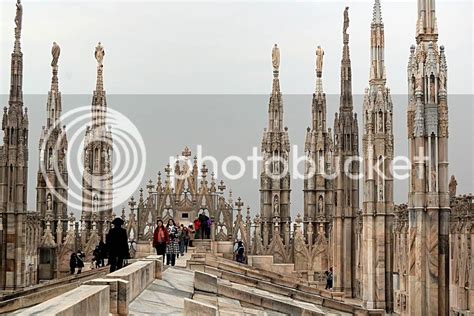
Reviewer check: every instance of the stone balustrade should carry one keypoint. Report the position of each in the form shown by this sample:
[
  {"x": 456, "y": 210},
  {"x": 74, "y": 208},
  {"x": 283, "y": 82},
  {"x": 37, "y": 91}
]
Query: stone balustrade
[
  {"x": 90, "y": 300},
  {"x": 110, "y": 295},
  {"x": 139, "y": 275}
]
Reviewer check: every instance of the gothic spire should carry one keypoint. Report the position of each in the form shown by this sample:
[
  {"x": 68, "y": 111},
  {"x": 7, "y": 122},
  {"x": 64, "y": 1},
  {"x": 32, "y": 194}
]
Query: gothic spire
[
  {"x": 377, "y": 47},
  {"x": 377, "y": 16},
  {"x": 99, "y": 103},
  {"x": 346, "y": 71},
  {"x": 275, "y": 109},
  {"x": 427, "y": 29},
  {"x": 54, "y": 96},
  {"x": 16, "y": 93},
  {"x": 319, "y": 70}
]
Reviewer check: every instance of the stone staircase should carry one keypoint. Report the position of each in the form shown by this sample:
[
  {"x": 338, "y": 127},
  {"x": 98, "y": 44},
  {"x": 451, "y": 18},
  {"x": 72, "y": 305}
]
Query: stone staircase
[{"x": 274, "y": 284}]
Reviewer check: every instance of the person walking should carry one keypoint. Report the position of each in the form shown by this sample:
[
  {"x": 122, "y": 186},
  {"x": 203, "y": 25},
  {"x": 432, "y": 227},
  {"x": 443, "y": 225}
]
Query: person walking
[
  {"x": 197, "y": 226},
  {"x": 186, "y": 238},
  {"x": 191, "y": 236},
  {"x": 73, "y": 263},
  {"x": 181, "y": 238},
  {"x": 172, "y": 245},
  {"x": 117, "y": 245},
  {"x": 102, "y": 253},
  {"x": 80, "y": 261},
  {"x": 329, "y": 277},
  {"x": 160, "y": 239},
  {"x": 240, "y": 252}
]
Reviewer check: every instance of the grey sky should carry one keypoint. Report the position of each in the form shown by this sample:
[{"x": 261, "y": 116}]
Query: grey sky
[{"x": 156, "y": 47}]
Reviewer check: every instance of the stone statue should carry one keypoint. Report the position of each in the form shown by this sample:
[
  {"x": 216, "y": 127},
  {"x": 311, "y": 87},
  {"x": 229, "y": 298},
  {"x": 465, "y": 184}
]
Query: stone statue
[
  {"x": 319, "y": 59},
  {"x": 276, "y": 57},
  {"x": 380, "y": 122},
  {"x": 49, "y": 203},
  {"x": 432, "y": 91},
  {"x": 276, "y": 207},
  {"x": 19, "y": 15},
  {"x": 452, "y": 186},
  {"x": 55, "y": 51},
  {"x": 433, "y": 180},
  {"x": 320, "y": 205},
  {"x": 346, "y": 20},
  {"x": 442, "y": 80},
  {"x": 99, "y": 54}
]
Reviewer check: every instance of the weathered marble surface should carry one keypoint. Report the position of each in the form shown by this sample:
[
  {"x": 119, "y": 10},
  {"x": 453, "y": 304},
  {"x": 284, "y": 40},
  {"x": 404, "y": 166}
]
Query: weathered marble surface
[
  {"x": 139, "y": 274},
  {"x": 90, "y": 300},
  {"x": 195, "y": 308},
  {"x": 119, "y": 294},
  {"x": 205, "y": 282},
  {"x": 165, "y": 296}
]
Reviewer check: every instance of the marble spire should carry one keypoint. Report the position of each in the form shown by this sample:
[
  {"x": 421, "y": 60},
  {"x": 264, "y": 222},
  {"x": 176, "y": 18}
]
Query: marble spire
[
  {"x": 346, "y": 69},
  {"x": 99, "y": 102},
  {"x": 16, "y": 92},
  {"x": 427, "y": 25},
  {"x": 377, "y": 47},
  {"x": 54, "y": 106}
]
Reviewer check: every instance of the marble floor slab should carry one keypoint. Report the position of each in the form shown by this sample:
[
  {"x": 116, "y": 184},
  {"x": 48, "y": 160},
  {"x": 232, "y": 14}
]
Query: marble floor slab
[{"x": 166, "y": 296}]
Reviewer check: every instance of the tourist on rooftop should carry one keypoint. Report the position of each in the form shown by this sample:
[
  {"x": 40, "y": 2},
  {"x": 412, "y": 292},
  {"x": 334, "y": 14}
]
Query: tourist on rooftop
[
  {"x": 117, "y": 245},
  {"x": 197, "y": 228},
  {"x": 172, "y": 245},
  {"x": 80, "y": 256},
  {"x": 191, "y": 235},
  {"x": 181, "y": 237},
  {"x": 73, "y": 263},
  {"x": 160, "y": 239},
  {"x": 240, "y": 252},
  {"x": 329, "y": 277}
]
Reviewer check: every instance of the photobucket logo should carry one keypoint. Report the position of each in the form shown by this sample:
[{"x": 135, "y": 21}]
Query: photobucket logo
[
  {"x": 92, "y": 162},
  {"x": 279, "y": 165}
]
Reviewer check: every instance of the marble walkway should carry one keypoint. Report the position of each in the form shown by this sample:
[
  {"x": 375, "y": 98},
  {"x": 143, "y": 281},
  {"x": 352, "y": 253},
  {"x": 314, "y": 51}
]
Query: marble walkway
[{"x": 166, "y": 296}]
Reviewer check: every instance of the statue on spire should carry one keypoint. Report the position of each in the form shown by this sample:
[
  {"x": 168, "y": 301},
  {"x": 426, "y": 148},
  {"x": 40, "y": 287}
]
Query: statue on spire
[
  {"x": 99, "y": 54},
  {"x": 276, "y": 58},
  {"x": 18, "y": 17},
  {"x": 55, "y": 51},
  {"x": 319, "y": 61},
  {"x": 346, "y": 20}
]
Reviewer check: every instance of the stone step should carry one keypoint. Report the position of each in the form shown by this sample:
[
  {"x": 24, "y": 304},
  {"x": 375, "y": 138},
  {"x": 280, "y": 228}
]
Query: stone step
[{"x": 276, "y": 284}]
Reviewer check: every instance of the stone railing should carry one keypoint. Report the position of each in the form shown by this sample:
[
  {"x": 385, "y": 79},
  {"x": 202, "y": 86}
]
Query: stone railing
[{"x": 110, "y": 295}]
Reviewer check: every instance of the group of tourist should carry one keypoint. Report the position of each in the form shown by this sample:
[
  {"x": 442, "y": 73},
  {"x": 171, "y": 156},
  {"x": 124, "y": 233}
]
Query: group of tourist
[
  {"x": 202, "y": 227},
  {"x": 115, "y": 249},
  {"x": 171, "y": 241}
]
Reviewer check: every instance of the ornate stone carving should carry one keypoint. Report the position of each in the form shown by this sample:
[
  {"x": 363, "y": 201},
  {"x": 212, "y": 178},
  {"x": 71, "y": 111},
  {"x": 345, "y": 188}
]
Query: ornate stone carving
[
  {"x": 452, "y": 186},
  {"x": 319, "y": 60},
  {"x": 276, "y": 58},
  {"x": 99, "y": 54},
  {"x": 55, "y": 51},
  {"x": 346, "y": 20}
]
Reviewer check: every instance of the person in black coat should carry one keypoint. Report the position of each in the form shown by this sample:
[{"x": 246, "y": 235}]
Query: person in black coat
[
  {"x": 117, "y": 245},
  {"x": 73, "y": 263}
]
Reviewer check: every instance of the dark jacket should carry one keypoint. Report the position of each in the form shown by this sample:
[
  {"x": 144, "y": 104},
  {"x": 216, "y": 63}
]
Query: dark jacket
[{"x": 117, "y": 243}]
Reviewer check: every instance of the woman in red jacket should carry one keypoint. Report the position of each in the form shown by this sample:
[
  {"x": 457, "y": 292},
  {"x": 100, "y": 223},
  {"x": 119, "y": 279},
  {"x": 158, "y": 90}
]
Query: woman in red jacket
[{"x": 160, "y": 239}]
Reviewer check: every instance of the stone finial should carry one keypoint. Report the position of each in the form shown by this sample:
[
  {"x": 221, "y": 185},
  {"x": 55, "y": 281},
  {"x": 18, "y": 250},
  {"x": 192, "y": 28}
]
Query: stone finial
[
  {"x": 377, "y": 15},
  {"x": 18, "y": 19},
  {"x": 186, "y": 152},
  {"x": 99, "y": 54},
  {"x": 346, "y": 20},
  {"x": 276, "y": 59},
  {"x": 55, "y": 52}
]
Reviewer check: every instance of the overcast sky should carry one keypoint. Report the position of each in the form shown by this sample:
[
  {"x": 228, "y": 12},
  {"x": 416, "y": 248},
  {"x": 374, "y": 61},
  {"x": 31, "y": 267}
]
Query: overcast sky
[{"x": 207, "y": 48}]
